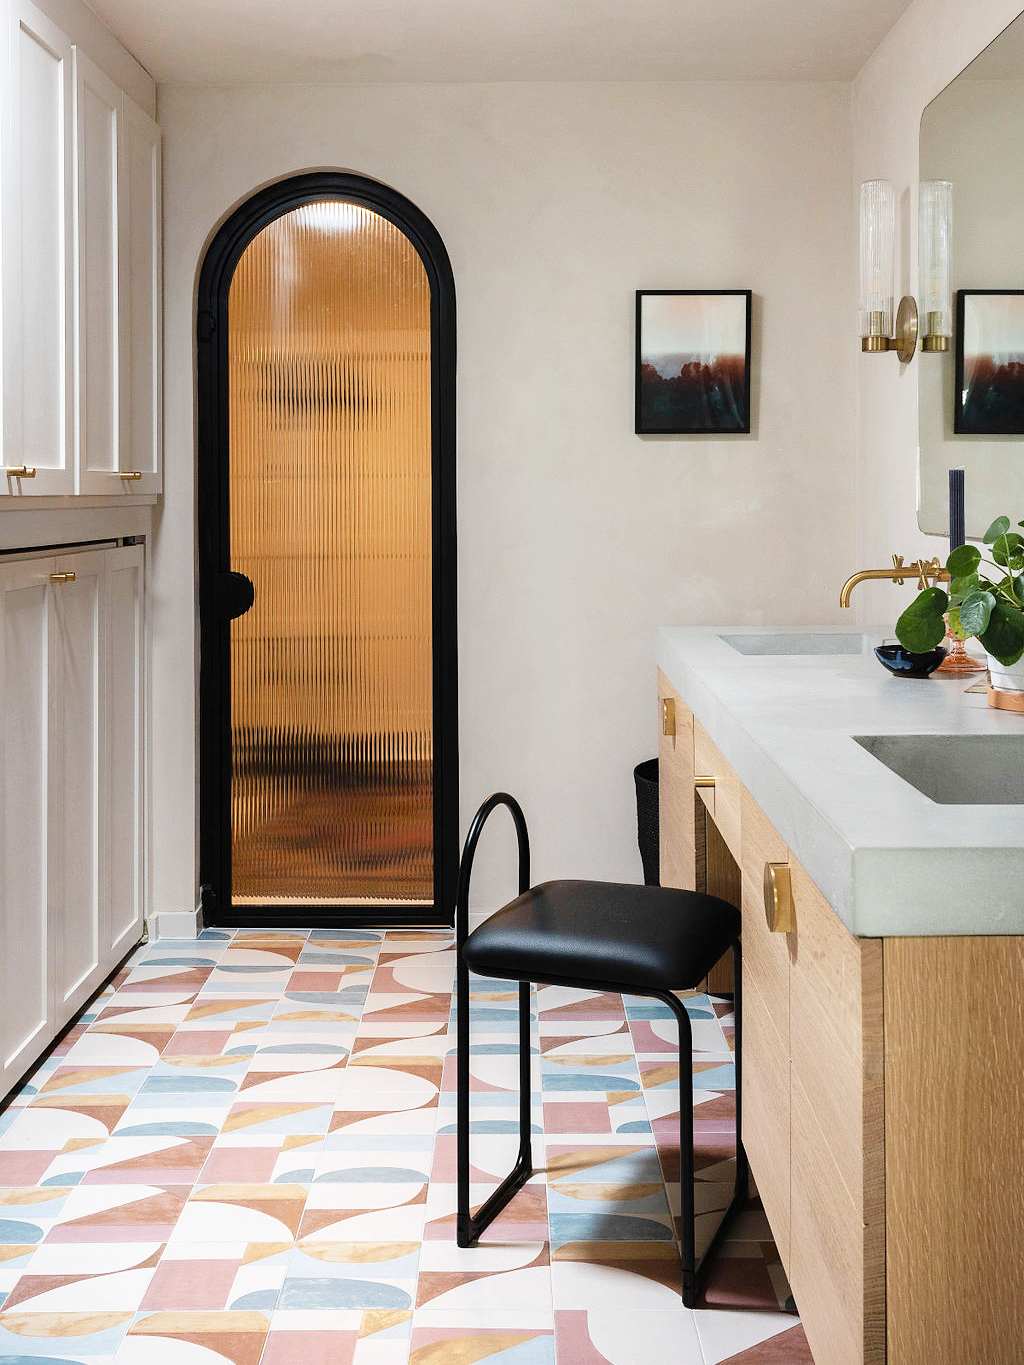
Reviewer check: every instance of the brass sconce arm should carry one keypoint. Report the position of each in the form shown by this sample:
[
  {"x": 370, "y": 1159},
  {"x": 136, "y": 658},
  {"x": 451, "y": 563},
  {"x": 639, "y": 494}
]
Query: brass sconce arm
[{"x": 924, "y": 571}]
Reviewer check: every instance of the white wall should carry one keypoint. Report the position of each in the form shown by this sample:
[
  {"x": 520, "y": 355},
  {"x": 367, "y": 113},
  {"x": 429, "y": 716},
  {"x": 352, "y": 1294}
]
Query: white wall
[
  {"x": 576, "y": 537},
  {"x": 932, "y": 42}
]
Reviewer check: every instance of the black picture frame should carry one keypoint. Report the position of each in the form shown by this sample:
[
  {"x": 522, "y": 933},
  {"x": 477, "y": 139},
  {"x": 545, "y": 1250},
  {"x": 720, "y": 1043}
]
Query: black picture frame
[
  {"x": 692, "y": 362},
  {"x": 988, "y": 399}
]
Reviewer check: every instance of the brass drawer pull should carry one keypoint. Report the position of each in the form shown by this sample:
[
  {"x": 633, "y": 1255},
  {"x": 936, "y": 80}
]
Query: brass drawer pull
[
  {"x": 778, "y": 898},
  {"x": 20, "y": 471},
  {"x": 130, "y": 474},
  {"x": 703, "y": 781},
  {"x": 62, "y": 577},
  {"x": 668, "y": 715}
]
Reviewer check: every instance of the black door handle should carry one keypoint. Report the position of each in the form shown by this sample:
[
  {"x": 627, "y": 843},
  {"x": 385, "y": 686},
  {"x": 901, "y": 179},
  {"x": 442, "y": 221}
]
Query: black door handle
[{"x": 233, "y": 594}]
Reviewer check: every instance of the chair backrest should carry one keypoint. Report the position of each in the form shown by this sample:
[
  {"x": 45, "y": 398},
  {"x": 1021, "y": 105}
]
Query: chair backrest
[{"x": 469, "y": 853}]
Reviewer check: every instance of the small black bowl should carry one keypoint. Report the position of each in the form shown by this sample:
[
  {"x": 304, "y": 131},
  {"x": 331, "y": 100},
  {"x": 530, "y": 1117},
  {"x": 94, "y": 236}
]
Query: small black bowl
[{"x": 902, "y": 664}]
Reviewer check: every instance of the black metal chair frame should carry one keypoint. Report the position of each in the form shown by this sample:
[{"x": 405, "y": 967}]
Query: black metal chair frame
[{"x": 469, "y": 1226}]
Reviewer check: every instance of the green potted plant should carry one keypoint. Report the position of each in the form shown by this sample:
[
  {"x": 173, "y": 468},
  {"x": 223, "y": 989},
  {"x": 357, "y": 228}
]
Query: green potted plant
[{"x": 985, "y": 600}]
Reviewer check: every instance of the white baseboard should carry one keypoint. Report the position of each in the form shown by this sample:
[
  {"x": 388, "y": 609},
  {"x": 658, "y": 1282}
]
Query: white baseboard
[{"x": 174, "y": 924}]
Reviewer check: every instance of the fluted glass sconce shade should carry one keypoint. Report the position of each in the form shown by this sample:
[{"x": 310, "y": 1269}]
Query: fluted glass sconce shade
[
  {"x": 935, "y": 241},
  {"x": 877, "y": 230}
]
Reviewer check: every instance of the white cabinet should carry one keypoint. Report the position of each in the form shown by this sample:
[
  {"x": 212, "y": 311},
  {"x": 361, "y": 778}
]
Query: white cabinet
[
  {"x": 81, "y": 284},
  {"x": 71, "y": 642},
  {"x": 38, "y": 256},
  {"x": 140, "y": 362}
]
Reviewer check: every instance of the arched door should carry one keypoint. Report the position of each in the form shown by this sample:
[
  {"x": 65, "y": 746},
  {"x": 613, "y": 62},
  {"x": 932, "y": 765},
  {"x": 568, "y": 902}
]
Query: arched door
[{"x": 328, "y": 788}]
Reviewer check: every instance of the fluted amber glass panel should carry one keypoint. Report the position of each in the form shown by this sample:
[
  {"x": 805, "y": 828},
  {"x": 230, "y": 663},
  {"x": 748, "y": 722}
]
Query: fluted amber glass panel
[{"x": 331, "y": 670}]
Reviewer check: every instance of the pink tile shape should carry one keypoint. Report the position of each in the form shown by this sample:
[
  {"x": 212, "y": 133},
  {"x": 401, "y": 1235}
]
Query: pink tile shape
[
  {"x": 572, "y": 1338},
  {"x": 23, "y": 1168},
  {"x": 309, "y": 1348},
  {"x": 240, "y": 1166},
  {"x": 198, "y": 1043},
  {"x": 191, "y": 1284}
]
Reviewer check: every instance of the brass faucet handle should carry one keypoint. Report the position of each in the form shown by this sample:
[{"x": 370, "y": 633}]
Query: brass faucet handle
[{"x": 897, "y": 564}]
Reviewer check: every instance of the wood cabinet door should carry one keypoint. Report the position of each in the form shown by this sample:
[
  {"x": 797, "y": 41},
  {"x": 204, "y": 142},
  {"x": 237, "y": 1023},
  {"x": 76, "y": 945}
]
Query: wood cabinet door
[
  {"x": 77, "y": 771},
  {"x": 766, "y": 1070},
  {"x": 140, "y": 372},
  {"x": 121, "y": 922},
  {"x": 97, "y": 426},
  {"x": 837, "y": 1269},
  {"x": 38, "y": 237},
  {"x": 26, "y": 1014},
  {"x": 677, "y": 849}
]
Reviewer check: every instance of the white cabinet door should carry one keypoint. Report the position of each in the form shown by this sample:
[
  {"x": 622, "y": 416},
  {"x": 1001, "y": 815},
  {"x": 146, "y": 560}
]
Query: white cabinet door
[
  {"x": 121, "y": 924},
  {"x": 79, "y": 842},
  {"x": 98, "y": 420},
  {"x": 140, "y": 304},
  {"x": 26, "y": 1015},
  {"x": 38, "y": 244}
]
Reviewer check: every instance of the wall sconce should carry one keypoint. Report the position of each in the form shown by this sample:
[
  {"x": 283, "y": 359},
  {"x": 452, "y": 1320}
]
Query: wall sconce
[
  {"x": 877, "y": 234},
  {"x": 935, "y": 249}
]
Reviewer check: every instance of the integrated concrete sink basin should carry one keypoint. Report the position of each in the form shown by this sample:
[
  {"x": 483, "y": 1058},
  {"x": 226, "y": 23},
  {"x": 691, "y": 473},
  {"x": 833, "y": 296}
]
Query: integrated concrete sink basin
[
  {"x": 955, "y": 770},
  {"x": 796, "y": 643}
]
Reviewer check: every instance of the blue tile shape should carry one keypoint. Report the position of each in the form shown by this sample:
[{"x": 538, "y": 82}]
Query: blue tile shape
[
  {"x": 177, "y": 962},
  {"x": 490, "y": 1126},
  {"x": 718, "y": 1078},
  {"x": 634, "y": 1126},
  {"x": 13, "y": 1232},
  {"x": 351, "y": 997},
  {"x": 306, "y": 1049},
  {"x": 261, "y": 1300},
  {"x": 606, "y": 1227},
  {"x": 188, "y": 1085},
  {"x": 592, "y": 1081},
  {"x": 538, "y": 1351},
  {"x": 372, "y": 1175},
  {"x": 330, "y": 1293}
]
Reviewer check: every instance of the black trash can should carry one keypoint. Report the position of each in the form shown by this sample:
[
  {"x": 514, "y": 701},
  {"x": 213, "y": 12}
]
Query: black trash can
[{"x": 645, "y": 775}]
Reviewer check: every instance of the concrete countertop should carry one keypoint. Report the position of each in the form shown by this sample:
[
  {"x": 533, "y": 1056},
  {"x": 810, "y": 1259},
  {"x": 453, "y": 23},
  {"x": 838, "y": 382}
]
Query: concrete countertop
[{"x": 889, "y": 859}]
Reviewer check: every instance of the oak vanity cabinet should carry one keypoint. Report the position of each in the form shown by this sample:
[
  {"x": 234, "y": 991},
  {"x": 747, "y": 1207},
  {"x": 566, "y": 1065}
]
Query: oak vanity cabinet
[
  {"x": 80, "y": 189},
  {"x": 812, "y": 1074},
  {"x": 71, "y": 639}
]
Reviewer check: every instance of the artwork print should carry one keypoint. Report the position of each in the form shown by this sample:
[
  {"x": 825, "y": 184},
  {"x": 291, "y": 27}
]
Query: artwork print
[
  {"x": 989, "y": 398},
  {"x": 692, "y": 361}
]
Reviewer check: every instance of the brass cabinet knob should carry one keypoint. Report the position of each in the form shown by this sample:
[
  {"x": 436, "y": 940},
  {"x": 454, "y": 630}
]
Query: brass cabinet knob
[
  {"x": 130, "y": 474},
  {"x": 700, "y": 781},
  {"x": 62, "y": 578},
  {"x": 778, "y": 898},
  {"x": 668, "y": 715},
  {"x": 20, "y": 471}
]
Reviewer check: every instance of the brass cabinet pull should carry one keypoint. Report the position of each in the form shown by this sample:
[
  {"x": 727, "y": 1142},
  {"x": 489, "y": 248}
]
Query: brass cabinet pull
[
  {"x": 20, "y": 471},
  {"x": 668, "y": 715},
  {"x": 62, "y": 577},
  {"x": 130, "y": 474},
  {"x": 703, "y": 781},
  {"x": 778, "y": 898}
]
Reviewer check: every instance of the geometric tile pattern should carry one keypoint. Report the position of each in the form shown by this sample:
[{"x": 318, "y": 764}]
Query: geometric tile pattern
[{"x": 243, "y": 1153}]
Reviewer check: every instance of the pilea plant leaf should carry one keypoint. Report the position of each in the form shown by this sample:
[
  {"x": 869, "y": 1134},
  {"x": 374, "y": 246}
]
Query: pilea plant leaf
[
  {"x": 960, "y": 587},
  {"x": 1008, "y": 550},
  {"x": 1004, "y": 638},
  {"x": 998, "y": 528},
  {"x": 976, "y": 612},
  {"x": 963, "y": 561},
  {"x": 921, "y": 626}
]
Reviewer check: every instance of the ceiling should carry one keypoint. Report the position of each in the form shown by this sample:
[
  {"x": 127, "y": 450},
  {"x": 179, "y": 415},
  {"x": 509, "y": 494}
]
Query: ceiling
[{"x": 235, "y": 42}]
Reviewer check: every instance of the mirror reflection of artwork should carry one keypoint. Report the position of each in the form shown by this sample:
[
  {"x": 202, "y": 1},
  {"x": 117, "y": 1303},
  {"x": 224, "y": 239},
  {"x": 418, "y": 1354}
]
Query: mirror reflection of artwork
[
  {"x": 692, "y": 361},
  {"x": 989, "y": 363}
]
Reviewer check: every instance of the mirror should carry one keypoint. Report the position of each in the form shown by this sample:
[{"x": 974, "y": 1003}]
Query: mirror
[{"x": 972, "y": 133}]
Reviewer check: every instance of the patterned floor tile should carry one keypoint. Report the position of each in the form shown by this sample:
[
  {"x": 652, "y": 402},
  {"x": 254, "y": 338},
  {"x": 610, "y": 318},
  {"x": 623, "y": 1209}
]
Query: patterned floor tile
[{"x": 247, "y": 1145}]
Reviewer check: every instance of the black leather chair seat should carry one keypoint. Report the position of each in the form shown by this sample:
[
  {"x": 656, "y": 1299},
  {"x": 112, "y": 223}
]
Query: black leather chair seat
[{"x": 594, "y": 934}]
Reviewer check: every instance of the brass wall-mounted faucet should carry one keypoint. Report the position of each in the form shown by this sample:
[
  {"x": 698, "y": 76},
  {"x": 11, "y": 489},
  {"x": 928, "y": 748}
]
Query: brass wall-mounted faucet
[{"x": 921, "y": 569}]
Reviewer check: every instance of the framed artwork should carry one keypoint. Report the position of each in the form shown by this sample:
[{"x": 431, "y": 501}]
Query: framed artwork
[
  {"x": 989, "y": 398},
  {"x": 692, "y": 361}
]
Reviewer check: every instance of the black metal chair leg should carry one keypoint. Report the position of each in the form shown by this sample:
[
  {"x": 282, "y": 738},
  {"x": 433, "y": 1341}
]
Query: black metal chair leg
[
  {"x": 693, "y": 1273},
  {"x": 467, "y": 1226}
]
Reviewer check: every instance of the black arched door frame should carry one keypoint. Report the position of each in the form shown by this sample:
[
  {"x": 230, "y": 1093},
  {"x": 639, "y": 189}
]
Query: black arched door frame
[{"x": 217, "y": 588}]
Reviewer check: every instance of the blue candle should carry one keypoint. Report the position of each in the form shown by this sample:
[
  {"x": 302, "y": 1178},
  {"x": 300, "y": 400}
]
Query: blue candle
[{"x": 956, "y": 508}]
